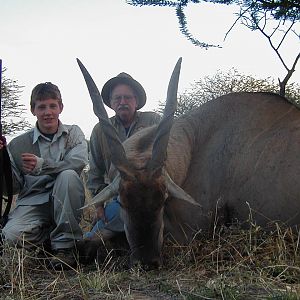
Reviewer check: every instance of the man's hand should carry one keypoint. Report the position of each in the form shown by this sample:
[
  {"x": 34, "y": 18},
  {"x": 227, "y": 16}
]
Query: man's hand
[
  {"x": 99, "y": 215},
  {"x": 29, "y": 162}
]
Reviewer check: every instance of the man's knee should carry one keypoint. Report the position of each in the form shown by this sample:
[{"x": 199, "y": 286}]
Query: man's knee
[
  {"x": 68, "y": 176},
  {"x": 69, "y": 188},
  {"x": 69, "y": 180}
]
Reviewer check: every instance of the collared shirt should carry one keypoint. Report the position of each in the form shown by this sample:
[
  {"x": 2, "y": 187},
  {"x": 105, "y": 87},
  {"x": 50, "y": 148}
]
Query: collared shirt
[
  {"x": 99, "y": 165},
  {"x": 49, "y": 149}
]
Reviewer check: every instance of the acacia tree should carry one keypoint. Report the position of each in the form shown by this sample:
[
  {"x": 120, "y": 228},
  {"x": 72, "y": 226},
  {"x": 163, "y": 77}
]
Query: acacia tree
[
  {"x": 274, "y": 19},
  {"x": 11, "y": 109},
  {"x": 211, "y": 87},
  {"x": 275, "y": 33}
]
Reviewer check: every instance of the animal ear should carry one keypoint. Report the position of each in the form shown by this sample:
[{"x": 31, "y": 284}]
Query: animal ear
[{"x": 177, "y": 192}]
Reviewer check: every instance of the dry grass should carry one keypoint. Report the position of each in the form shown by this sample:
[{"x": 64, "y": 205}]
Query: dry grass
[{"x": 233, "y": 264}]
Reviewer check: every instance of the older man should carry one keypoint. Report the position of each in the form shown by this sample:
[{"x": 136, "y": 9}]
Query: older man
[{"x": 125, "y": 96}]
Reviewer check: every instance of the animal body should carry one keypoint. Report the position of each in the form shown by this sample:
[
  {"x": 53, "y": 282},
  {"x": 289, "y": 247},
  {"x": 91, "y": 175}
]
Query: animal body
[{"x": 233, "y": 158}]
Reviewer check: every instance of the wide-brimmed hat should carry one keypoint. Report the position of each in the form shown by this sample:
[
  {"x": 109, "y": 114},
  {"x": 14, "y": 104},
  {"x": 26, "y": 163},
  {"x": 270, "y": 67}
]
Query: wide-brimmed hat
[{"x": 124, "y": 78}]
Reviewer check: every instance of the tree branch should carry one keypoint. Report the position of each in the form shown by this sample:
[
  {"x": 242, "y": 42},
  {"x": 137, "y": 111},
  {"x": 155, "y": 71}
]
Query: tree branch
[
  {"x": 184, "y": 29},
  {"x": 276, "y": 49},
  {"x": 282, "y": 84}
]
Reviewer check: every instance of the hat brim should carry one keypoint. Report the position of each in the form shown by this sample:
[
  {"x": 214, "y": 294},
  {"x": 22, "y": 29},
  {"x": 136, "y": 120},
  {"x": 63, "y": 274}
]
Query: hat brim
[{"x": 135, "y": 85}]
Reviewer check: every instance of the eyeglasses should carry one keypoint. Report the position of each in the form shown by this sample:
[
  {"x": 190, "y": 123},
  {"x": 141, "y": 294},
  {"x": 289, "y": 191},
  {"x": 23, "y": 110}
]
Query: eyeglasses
[{"x": 118, "y": 98}]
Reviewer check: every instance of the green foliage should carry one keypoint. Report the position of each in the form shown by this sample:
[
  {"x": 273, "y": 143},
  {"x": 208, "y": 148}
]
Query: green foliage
[
  {"x": 280, "y": 9},
  {"x": 211, "y": 87},
  {"x": 11, "y": 109}
]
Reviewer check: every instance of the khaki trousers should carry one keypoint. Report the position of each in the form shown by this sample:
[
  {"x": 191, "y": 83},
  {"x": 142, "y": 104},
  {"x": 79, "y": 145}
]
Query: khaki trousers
[{"x": 56, "y": 220}]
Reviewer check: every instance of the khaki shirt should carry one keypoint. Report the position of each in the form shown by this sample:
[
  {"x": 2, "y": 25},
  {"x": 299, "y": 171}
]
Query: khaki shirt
[
  {"x": 66, "y": 151},
  {"x": 99, "y": 165}
]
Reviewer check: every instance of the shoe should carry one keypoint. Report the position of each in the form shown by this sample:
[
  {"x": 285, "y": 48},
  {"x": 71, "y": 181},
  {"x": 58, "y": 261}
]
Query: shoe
[
  {"x": 64, "y": 259},
  {"x": 41, "y": 255},
  {"x": 44, "y": 250}
]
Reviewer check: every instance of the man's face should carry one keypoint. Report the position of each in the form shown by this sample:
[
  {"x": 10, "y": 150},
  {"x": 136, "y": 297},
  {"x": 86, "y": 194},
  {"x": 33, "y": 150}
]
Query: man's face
[
  {"x": 47, "y": 113},
  {"x": 123, "y": 101}
]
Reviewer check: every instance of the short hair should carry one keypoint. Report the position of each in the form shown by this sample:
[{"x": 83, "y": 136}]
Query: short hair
[{"x": 45, "y": 91}]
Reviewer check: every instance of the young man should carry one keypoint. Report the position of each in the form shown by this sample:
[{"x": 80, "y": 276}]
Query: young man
[
  {"x": 47, "y": 162},
  {"x": 125, "y": 96}
]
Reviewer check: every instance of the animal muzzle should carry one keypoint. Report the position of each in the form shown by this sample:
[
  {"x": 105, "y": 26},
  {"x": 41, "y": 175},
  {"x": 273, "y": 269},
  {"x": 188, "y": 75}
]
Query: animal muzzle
[{"x": 147, "y": 263}]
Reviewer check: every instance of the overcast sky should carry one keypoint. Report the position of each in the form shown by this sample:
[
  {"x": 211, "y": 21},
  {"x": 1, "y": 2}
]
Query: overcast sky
[{"x": 41, "y": 39}]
